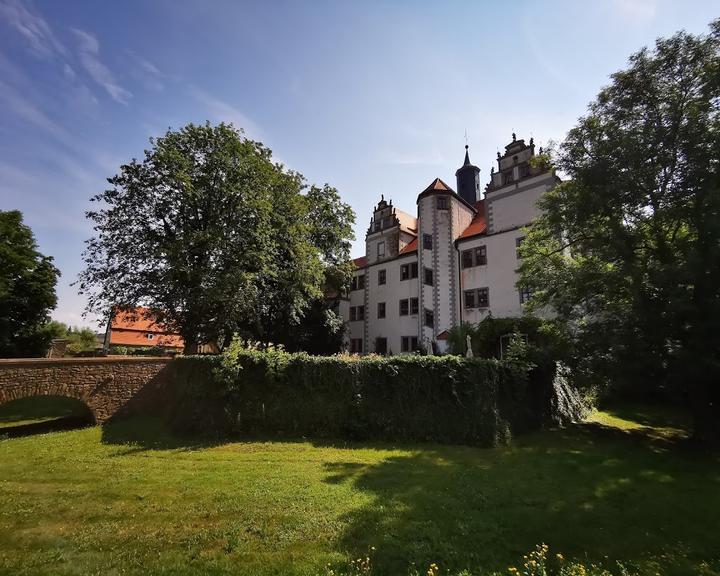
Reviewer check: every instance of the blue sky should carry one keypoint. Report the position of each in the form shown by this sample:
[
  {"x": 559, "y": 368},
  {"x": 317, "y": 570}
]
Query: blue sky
[{"x": 372, "y": 97}]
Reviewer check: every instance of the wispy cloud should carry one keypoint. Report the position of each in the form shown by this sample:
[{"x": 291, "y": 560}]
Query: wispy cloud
[
  {"x": 225, "y": 112},
  {"x": 21, "y": 107},
  {"x": 148, "y": 73},
  {"x": 33, "y": 28},
  {"x": 89, "y": 56}
]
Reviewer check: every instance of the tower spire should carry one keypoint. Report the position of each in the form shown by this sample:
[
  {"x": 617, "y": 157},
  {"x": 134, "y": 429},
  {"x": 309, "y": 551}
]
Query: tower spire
[{"x": 468, "y": 179}]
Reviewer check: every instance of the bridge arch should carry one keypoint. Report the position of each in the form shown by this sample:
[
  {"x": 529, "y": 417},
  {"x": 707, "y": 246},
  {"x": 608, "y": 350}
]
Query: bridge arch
[{"x": 108, "y": 386}]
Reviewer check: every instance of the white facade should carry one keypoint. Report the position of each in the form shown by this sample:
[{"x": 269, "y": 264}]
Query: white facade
[{"x": 455, "y": 262}]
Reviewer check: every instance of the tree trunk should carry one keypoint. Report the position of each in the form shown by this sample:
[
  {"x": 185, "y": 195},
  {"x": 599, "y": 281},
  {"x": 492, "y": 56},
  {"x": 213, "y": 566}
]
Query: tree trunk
[{"x": 191, "y": 346}]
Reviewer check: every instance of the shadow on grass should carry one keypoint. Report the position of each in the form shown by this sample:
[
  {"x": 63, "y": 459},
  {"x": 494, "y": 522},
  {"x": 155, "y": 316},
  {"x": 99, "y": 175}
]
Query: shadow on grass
[
  {"x": 139, "y": 433},
  {"x": 589, "y": 492},
  {"x": 42, "y": 414}
]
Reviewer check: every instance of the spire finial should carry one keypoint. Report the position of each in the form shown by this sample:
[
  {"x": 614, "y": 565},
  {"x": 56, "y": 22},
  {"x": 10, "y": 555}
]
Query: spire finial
[{"x": 514, "y": 137}]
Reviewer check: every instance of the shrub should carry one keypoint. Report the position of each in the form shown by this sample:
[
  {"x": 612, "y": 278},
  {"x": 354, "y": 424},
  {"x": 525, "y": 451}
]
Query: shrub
[
  {"x": 427, "y": 398},
  {"x": 544, "y": 336}
]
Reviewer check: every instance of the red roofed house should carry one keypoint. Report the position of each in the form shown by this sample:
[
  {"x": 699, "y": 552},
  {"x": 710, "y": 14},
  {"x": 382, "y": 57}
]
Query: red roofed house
[
  {"x": 456, "y": 261},
  {"x": 138, "y": 330}
]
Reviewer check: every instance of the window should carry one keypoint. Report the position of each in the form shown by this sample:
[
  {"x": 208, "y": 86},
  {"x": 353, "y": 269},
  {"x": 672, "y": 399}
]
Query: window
[
  {"x": 441, "y": 203},
  {"x": 483, "y": 299},
  {"x": 414, "y": 306},
  {"x": 408, "y": 343},
  {"x": 381, "y": 249},
  {"x": 475, "y": 257},
  {"x": 381, "y": 345},
  {"x": 357, "y": 313},
  {"x": 518, "y": 243},
  {"x": 409, "y": 303},
  {"x": 358, "y": 282},
  {"x": 429, "y": 318},
  {"x": 427, "y": 241},
  {"x": 408, "y": 271},
  {"x": 525, "y": 294},
  {"x": 428, "y": 276},
  {"x": 378, "y": 225},
  {"x": 356, "y": 346},
  {"x": 470, "y": 299},
  {"x": 466, "y": 258},
  {"x": 381, "y": 309},
  {"x": 478, "y": 298},
  {"x": 149, "y": 336},
  {"x": 382, "y": 276}
]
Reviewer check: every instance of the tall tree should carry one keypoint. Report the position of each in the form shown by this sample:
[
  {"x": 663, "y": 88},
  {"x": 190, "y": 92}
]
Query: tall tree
[
  {"x": 209, "y": 234},
  {"x": 27, "y": 290},
  {"x": 628, "y": 250}
]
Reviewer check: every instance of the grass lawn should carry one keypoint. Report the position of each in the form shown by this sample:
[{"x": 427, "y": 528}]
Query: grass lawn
[{"x": 108, "y": 501}]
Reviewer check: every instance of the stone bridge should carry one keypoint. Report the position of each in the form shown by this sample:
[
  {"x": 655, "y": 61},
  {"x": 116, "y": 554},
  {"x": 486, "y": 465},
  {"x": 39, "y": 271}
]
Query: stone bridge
[{"x": 108, "y": 386}]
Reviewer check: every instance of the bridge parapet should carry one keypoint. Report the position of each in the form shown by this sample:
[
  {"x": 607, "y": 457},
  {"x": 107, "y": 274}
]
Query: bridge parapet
[{"x": 109, "y": 386}]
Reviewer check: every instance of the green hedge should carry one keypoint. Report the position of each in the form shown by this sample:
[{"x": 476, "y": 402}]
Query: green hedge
[{"x": 443, "y": 399}]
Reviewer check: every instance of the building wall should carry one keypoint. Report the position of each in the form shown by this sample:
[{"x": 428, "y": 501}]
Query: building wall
[
  {"x": 391, "y": 239},
  {"x": 499, "y": 276},
  {"x": 393, "y": 326},
  {"x": 356, "y": 328},
  {"x": 516, "y": 204}
]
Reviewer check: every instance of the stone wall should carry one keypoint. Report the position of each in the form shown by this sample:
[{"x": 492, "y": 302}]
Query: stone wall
[{"x": 109, "y": 386}]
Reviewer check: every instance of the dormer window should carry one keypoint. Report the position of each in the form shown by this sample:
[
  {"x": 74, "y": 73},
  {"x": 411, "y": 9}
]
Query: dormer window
[
  {"x": 150, "y": 336},
  {"x": 381, "y": 250},
  {"x": 441, "y": 203}
]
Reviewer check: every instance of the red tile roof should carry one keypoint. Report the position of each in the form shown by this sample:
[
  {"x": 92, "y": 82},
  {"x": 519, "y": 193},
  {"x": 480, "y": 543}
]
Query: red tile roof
[
  {"x": 478, "y": 225},
  {"x": 408, "y": 222},
  {"x": 360, "y": 262},
  {"x": 437, "y": 184},
  {"x": 412, "y": 247},
  {"x": 130, "y": 328}
]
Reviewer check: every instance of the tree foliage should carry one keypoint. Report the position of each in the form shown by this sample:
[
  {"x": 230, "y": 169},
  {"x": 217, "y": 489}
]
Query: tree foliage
[
  {"x": 27, "y": 290},
  {"x": 214, "y": 238},
  {"x": 627, "y": 252},
  {"x": 79, "y": 340}
]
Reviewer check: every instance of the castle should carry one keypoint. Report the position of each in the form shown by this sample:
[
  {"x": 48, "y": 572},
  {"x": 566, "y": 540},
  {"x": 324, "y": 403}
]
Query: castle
[{"x": 455, "y": 262}]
